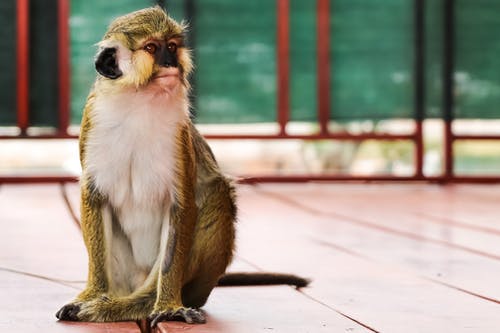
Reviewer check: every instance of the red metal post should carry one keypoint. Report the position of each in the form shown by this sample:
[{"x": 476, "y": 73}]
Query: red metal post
[
  {"x": 419, "y": 149},
  {"x": 323, "y": 63},
  {"x": 22, "y": 65},
  {"x": 64, "y": 67},
  {"x": 448, "y": 84},
  {"x": 283, "y": 63},
  {"x": 448, "y": 150},
  {"x": 419, "y": 74}
]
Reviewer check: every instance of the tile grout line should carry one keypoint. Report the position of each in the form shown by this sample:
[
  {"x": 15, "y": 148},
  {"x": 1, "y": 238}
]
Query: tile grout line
[
  {"x": 303, "y": 293},
  {"x": 353, "y": 253},
  {"x": 370, "y": 225},
  {"x": 66, "y": 283},
  {"x": 448, "y": 221},
  {"x": 406, "y": 271}
]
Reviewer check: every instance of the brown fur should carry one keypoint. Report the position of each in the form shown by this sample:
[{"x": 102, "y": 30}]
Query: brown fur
[{"x": 201, "y": 238}]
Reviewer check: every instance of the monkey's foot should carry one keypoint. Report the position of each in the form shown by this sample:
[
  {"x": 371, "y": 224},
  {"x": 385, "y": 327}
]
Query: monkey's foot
[
  {"x": 189, "y": 315},
  {"x": 69, "y": 312}
]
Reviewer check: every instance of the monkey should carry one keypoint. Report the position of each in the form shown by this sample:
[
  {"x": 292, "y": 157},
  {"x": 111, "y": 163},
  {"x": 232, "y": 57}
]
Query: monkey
[{"x": 157, "y": 214}]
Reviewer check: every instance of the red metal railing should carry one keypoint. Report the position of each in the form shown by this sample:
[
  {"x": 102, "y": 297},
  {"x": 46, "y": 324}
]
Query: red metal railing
[
  {"x": 22, "y": 65},
  {"x": 64, "y": 67},
  {"x": 324, "y": 111}
]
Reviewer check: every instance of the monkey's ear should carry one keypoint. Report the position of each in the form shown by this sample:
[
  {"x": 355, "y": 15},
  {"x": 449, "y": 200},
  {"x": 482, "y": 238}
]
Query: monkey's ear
[{"x": 106, "y": 64}]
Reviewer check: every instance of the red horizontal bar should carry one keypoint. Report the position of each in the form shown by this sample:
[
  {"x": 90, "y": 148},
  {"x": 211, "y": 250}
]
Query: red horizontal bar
[
  {"x": 476, "y": 179},
  {"x": 351, "y": 178},
  {"x": 38, "y": 137},
  {"x": 37, "y": 179},
  {"x": 476, "y": 137},
  {"x": 288, "y": 179},
  {"x": 336, "y": 136}
]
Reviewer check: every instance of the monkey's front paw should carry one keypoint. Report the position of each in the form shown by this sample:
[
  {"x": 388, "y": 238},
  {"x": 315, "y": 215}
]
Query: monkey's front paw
[
  {"x": 189, "y": 315},
  {"x": 69, "y": 312}
]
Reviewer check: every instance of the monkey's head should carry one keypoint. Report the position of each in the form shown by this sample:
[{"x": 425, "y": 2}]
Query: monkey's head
[{"x": 144, "y": 49}]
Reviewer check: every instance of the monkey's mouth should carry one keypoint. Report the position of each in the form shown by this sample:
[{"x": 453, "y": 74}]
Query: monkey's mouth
[
  {"x": 168, "y": 72},
  {"x": 167, "y": 77}
]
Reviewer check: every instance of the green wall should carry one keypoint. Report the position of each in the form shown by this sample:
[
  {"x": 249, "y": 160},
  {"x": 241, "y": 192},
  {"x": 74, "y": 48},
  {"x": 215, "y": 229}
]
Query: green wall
[
  {"x": 7, "y": 63},
  {"x": 234, "y": 42}
]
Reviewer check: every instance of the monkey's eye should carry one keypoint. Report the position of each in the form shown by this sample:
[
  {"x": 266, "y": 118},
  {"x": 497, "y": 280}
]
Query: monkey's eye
[
  {"x": 171, "y": 47},
  {"x": 151, "y": 48}
]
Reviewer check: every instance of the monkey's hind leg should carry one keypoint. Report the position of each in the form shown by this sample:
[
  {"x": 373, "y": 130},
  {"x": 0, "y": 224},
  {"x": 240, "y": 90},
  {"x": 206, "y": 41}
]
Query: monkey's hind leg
[{"x": 213, "y": 245}]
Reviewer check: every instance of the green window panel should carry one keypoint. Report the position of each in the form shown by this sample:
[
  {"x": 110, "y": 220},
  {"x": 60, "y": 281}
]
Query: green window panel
[
  {"x": 44, "y": 83},
  {"x": 372, "y": 60},
  {"x": 433, "y": 59},
  {"x": 235, "y": 54},
  {"x": 477, "y": 62},
  {"x": 8, "y": 103},
  {"x": 303, "y": 90},
  {"x": 88, "y": 23},
  {"x": 235, "y": 78}
]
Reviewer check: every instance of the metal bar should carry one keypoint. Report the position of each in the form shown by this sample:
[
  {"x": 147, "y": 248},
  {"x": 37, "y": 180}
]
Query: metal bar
[
  {"x": 323, "y": 63},
  {"x": 475, "y": 137},
  {"x": 419, "y": 48},
  {"x": 22, "y": 83},
  {"x": 38, "y": 137},
  {"x": 283, "y": 63},
  {"x": 377, "y": 178},
  {"x": 329, "y": 136},
  {"x": 337, "y": 136},
  {"x": 289, "y": 179},
  {"x": 419, "y": 148},
  {"x": 448, "y": 84},
  {"x": 63, "y": 66},
  {"x": 319, "y": 178},
  {"x": 474, "y": 179},
  {"x": 37, "y": 179}
]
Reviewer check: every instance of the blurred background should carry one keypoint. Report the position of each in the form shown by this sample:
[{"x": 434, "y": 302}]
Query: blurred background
[{"x": 284, "y": 89}]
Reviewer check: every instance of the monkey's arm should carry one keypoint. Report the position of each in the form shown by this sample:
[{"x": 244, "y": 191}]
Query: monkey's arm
[
  {"x": 92, "y": 204},
  {"x": 183, "y": 215},
  {"x": 93, "y": 236},
  {"x": 92, "y": 229}
]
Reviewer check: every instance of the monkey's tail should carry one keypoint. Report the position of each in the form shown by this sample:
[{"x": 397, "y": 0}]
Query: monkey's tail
[{"x": 261, "y": 279}]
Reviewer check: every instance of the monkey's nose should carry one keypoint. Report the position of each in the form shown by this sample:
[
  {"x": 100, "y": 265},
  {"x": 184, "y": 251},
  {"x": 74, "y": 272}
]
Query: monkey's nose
[{"x": 170, "y": 60}]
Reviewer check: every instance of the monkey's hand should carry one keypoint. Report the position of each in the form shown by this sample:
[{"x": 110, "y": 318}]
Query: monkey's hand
[{"x": 189, "y": 315}]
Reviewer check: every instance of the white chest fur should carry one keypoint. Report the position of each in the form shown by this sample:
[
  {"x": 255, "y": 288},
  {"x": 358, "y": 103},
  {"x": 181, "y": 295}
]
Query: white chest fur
[{"x": 130, "y": 155}]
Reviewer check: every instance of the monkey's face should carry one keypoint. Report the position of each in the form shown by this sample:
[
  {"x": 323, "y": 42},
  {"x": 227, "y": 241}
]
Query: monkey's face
[{"x": 144, "y": 49}]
